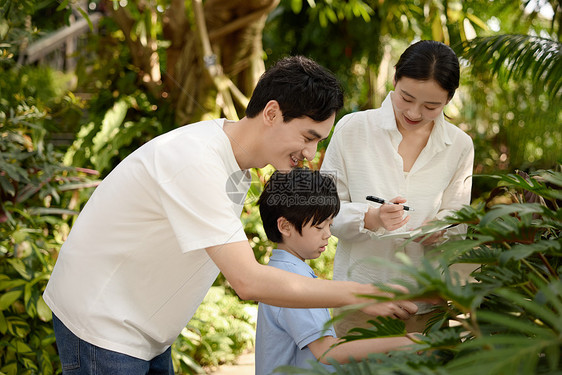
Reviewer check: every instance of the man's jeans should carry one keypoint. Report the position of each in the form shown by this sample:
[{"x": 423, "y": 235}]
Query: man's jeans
[{"x": 81, "y": 358}]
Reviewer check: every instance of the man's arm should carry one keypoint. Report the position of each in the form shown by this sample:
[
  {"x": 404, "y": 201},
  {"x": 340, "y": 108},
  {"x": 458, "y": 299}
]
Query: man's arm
[
  {"x": 358, "y": 349},
  {"x": 254, "y": 281}
]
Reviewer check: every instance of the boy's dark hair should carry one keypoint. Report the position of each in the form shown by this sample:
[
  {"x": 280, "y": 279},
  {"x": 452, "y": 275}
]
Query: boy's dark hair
[
  {"x": 300, "y": 196},
  {"x": 301, "y": 87},
  {"x": 429, "y": 59}
]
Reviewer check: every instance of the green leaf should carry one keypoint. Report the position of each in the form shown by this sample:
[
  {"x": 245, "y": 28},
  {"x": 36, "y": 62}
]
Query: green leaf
[
  {"x": 516, "y": 324},
  {"x": 18, "y": 326},
  {"x": 504, "y": 211},
  {"x": 6, "y": 185},
  {"x": 3, "y": 323},
  {"x": 477, "y": 21},
  {"x": 20, "y": 267},
  {"x": 10, "y": 368},
  {"x": 549, "y": 317},
  {"x": 10, "y": 284},
  {"x": 43, "y": 311},
  {"x": 20, "y": 346},
  {"x": 51, "y": 211},
  {"x": 7, "y": 299},
  {"x": 86, "y": 17},
  {"x": 63, "y": 5},
  {"x": 520, "y": 251}
]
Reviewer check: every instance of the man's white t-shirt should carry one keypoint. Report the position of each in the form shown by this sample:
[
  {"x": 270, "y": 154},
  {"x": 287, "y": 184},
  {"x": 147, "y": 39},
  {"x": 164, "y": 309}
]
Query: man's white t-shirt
[{"x": 134, "y": 268}]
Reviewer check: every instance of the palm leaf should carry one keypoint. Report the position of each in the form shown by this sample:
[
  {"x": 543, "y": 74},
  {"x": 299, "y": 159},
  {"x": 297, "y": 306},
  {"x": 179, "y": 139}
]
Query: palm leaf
[
  {"x": 381, "y": 327},
  {"x": 479, "y": 255},
  {"x": 502, "y": 354},
  {"x": 513, "y": 56},
  {"x": 541, "y": 311},
  {"x": 516, "y": 324},
  {"x": 519, "y": 251}
]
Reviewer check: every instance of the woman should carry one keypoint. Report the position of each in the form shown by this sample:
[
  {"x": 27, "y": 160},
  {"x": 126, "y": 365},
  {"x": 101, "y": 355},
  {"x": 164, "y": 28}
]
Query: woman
[{"x": 407, "y": 151}]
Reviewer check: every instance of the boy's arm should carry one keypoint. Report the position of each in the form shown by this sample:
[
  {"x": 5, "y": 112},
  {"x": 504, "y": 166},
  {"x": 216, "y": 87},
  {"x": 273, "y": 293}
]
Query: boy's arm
[
  {"x": 358, "y": 349},
  {"x": 254, "y": 281}
]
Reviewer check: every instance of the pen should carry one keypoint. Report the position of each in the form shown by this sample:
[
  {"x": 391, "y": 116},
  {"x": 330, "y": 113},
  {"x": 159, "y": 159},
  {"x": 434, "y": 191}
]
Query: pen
[{"x": 382, "y": 201}]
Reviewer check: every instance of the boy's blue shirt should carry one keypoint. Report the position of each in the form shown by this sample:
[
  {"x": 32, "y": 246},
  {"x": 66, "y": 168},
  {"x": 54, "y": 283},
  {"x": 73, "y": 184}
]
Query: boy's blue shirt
[{"x": 282, "y": 334}]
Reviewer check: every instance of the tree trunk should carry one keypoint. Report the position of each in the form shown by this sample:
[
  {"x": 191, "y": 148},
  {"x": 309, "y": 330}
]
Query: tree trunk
[{"x": 235, "y": 31}]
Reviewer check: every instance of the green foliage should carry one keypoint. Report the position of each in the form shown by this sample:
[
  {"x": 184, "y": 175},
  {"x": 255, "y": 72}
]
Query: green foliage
[
  {"x": 509, "y": 98},
  {"x": 102, "y": 143},
  {"x": 37, "y": 195},
  {"x": 509, "y": 320},
  {"x": 518, "y": 56},
  {"x": 221, "y": 330}
]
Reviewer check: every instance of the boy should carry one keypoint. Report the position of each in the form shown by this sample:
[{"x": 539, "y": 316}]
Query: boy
[
  {"x": 156, "y": 232},
  {"x": 297, "y": 210}
]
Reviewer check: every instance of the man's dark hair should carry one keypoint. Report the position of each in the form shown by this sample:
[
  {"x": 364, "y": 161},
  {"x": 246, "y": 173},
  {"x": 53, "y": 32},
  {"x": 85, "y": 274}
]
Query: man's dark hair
[
  {"x": 300, "y": 196},
  {"x": 429, "y": 59},
  {"x": 302, "y": 88}
]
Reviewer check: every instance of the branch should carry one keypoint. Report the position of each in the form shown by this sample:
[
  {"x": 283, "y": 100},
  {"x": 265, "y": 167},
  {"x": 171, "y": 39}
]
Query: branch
[{"x": 144, "y": 56}]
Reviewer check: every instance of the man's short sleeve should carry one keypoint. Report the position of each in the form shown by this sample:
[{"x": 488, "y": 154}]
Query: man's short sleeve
[{"x": 196, "y": 202}]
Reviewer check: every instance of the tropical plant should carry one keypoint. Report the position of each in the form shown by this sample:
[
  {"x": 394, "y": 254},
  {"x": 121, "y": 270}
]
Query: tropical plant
[
  {"x": 38, "y": 195},
  {"x": 509, "y": 318},
  {"x": 516, "y": 56},
  {"x": 221, "y": 330},
  {"x": 187, "y": 53}
]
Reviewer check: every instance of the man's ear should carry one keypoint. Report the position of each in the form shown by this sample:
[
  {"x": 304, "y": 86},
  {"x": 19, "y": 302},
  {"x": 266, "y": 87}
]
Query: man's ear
[
  {"x": 284, "y": 226},
  {"x": 271, "y": 112}
]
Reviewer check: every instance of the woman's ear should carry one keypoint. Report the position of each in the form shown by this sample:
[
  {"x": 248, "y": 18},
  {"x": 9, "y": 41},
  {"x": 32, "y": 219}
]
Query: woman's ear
[{"x": 284, "y": 226}]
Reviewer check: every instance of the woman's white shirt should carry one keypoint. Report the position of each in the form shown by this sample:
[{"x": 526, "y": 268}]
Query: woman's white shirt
[{"x": 363, "y": 155}]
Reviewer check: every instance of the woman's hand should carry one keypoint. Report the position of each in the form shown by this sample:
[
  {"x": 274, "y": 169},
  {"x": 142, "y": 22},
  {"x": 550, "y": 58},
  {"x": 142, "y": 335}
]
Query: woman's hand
[
  {"x": 387, "y": 216},
  {"x": 432, "y": 238}
]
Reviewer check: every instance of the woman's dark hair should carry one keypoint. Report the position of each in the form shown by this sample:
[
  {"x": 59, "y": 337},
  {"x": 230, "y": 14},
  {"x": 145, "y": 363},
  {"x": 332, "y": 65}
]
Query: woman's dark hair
[
  {"x": 300, "y": 196},
  {"x": 301, "y": 87},
  {"x": 429, "y": 59}
]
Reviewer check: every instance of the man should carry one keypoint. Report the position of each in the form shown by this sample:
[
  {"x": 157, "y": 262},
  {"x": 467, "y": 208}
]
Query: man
[{"x": 154, "y": 235}]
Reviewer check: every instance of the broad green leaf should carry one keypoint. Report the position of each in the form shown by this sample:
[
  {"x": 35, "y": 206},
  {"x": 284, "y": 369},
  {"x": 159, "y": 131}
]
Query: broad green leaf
[
  {"x": 43, "y": 311},
  {"x": 551, "y": 318},
  {"x": 10, "y": 369},
  {"x": 20, "y": 268},
  {"x": 517, "y": 324},
  {"x": 3, "y": 323},
  {"x": 10, "y": 284},
  {"x": 20, "y": 346},
  {"x": 18, "y": 326},
  {"x": 7, "y": 299},
  {"x": 523, "y": 251}
]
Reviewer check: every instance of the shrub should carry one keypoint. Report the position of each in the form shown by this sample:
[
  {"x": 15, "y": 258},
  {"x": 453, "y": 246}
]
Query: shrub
[
  {"x": 38, "y": 194},
  {"x": 507, "y": 322},
  {"x": 221, "y": 330}
]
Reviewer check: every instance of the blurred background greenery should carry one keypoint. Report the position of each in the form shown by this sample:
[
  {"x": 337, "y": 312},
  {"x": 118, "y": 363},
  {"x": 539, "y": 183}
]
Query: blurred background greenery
[{"x": 73, "y": 105}]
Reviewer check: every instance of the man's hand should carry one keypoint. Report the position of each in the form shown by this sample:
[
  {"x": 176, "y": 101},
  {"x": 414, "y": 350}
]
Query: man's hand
[
  {"x": 396, "y": 309},
  {"x": 402, "y": 310}
]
